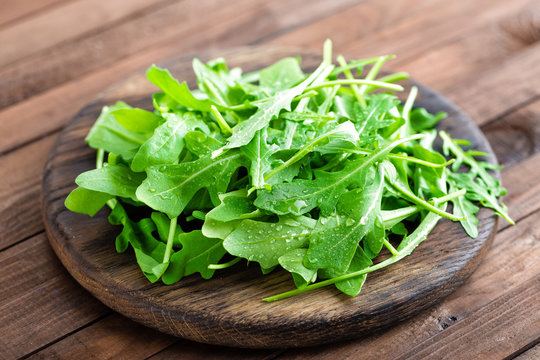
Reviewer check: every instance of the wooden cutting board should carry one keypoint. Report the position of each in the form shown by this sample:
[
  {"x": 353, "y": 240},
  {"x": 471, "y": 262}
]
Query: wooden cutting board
[{"x": 227, "y": 309}]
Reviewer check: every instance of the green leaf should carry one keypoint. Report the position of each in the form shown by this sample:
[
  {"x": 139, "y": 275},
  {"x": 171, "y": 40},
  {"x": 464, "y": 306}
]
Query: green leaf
[
  {"x": 334, "y": 247},
  {"x": 218, "y": 83},
  {"x": 293, "y": 262},
  {"x": 85, "y": 201},
  {"x": 116, "y": 180},
  {"x": 148, "y": 251},
  {"x": 265, "y": 242},
  {"x": 259, "y": 152},
  {"x": 167, "y": 142},
  {"x": 200, "y": 144},
  {"x": 465, "y": 208},
  {"x": 234, "y": 205},
  {"x": 478, "y": 191},
  {"x": 421, "y": 119},
  {"x": 137, "y": 120},
  {"x": 281, "y": 75},
  {"x": 353, "y": 285},
  {"x": 169, "y": 188},
  {"x": 109, "y": 135},
  {"x": 373, "y": 117},
  {"x": 180, "y": 92},
  {"x": 196, "y": 254}
]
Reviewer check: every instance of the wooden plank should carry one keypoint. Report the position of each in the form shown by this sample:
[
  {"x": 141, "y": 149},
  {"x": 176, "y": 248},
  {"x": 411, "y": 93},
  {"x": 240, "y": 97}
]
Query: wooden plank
[
  {"x": 187, "y": 350},
  {"x": 515, "y": 137},
  {"x": 72, "y": 59},
  {"x": 523, "y": 187},
  {"x": 16, "y": 10},
  {"x": 415, "y": 28},
  {"x": 113, "y": 337},
  {"x": 494, "y": 92},
  {"x": 39, "y": 301},
  {"x": 20, "y": 187},
  {"x": 531, "y": 354},
  {"x": 496, "y": 331},
  {"x": 494, "y": 277},
  {"x": 48, "y": 28},
  {"x": 482, "y": 47}
]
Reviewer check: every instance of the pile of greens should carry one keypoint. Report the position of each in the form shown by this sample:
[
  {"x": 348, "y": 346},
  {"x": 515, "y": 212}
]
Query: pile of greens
[{"x": 316, "y": 173}]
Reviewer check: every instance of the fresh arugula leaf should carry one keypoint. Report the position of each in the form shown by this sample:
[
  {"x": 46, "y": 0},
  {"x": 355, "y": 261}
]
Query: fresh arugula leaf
[
  {"x": 116, "y": 180},
  {"x": 196, "y": 254},
  {"x": 281, "y": 75},
  {"x": 266, "y": 242},
  {"x": 169, "y": 188},
  {"x": 148, "y": 251},
  {"x": 353, "y": 285},
  {"x": 302, "y": 196},
  {"x": 335, "y": 246},
  {"x": 478, "y": 191},
  {"x": 293, "y": 262},
  {"x": 180, "y": 92},
  {"x": 137, "y": 120},
  {"x": 258, "y": 151},
  {"x": 245, "y": 131},
  {"x": 109, "y": 135},
  {"x": 85, "y": 201},
  {"x": 167, "y": 142}
]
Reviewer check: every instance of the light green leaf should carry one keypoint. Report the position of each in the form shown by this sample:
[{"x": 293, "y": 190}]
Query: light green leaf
[
  {"x": 169, "y": 188},
  {"x": 167, "y": 142},
  {"x": 265, "y": 242},
  {"x": 116, "y": 180}
]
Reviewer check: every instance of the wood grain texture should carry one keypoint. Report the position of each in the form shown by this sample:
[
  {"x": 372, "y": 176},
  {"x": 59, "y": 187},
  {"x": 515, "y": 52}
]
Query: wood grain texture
[
  {"x": 21, "y": 173},
  {"x": 48, "y": 29},
  {"x": 14, "y": 11},
  {"x": 113, "y": 337},
  {"x": 39, "y": 302},
  {"x": 232, "y": 313},
  {"x": 516, "y": 313},
  {"x": 76, "y": 57}
]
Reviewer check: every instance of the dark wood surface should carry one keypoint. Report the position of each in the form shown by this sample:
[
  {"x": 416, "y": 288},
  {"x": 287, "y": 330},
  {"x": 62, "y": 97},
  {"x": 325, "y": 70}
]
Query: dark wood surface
[
  {"x": 483, "y": 55},
  {"x": 228, "y": 310}
]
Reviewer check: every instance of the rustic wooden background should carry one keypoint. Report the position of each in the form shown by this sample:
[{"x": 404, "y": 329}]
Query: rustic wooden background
[{"x": 56, "y": 55}]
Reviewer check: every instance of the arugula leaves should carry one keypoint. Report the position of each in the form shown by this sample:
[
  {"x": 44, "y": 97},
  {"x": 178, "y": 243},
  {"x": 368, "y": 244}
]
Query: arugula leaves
[{"x": 312, "y": 173}]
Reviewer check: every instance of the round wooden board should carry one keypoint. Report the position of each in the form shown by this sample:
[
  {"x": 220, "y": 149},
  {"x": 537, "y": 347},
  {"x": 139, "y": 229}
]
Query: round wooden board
[{"x": 227, "y": 309}]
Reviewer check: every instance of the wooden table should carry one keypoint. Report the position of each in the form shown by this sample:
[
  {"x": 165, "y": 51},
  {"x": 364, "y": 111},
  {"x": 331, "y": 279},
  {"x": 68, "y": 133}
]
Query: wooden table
[{"x": 56, "y": 55}]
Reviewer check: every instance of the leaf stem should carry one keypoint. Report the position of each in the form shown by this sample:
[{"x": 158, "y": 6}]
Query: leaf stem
[
  {"x": 390, "y": 247},
  {"x": 408, "y": 158},
  {"x": 446, "y": 198},
  {"x": 111, "y": 203},
  {"x": 300, "y": 154},
  {"x": 390, "y": 78},
  {"x": 355, "y": 64},
  {"x": 423, "y": 203},
  {"x": 170, "y": 240},
  {"x": 374, "y": 71},
  {"x": 99, "y": 158},
  {"x": 342, "y": 62},
  {"x": 356, "y": 82},
  {"x": 225, "y": 128},
  {"x": 224, "y": 265}
]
